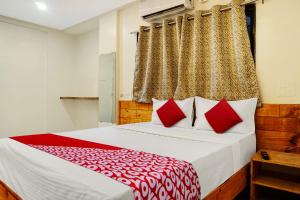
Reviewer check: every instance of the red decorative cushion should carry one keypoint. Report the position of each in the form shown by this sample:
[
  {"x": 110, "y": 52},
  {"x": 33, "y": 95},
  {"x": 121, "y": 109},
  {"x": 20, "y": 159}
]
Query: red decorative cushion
[
  {"x": 170, "y": 113},
  {"x": 222, "y": 117}
]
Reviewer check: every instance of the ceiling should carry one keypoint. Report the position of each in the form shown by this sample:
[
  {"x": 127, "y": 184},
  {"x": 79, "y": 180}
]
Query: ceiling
[{"x": 59, "y": 14}]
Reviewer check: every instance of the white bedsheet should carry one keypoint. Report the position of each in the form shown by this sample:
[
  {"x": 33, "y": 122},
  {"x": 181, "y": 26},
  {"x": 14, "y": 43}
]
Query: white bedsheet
[{"x": 36, "y": 175}]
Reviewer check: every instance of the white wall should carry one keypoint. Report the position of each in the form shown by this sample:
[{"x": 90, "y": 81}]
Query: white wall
[
  {"x": 277, "y": 48},
  {"x": 22, "y": 54},
  {"x": 59, "y": 81},
  {"x": 129, "y": 21},
  {"x": 108, "y": 24},
  {"x": 277, "y": 52},
  {"x": 37, "y": 66},
  {"x": 35, "y": 69},
  {"x": 86, "y": 80}
]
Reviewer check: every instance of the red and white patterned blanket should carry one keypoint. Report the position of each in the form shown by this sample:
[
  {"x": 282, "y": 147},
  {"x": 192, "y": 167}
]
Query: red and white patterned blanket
[{"x": 150, "y": 176}]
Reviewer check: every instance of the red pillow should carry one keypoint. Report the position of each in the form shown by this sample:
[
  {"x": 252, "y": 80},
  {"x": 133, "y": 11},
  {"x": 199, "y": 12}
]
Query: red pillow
[
  {"x": 170, "y": 113},
  {"x": 222, "y": 117}
]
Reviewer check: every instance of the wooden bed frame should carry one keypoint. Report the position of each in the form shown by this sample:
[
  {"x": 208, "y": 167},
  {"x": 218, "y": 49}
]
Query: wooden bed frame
[
  {"x": 277, "y": 128},
  {"x": 6, "y": 193}
]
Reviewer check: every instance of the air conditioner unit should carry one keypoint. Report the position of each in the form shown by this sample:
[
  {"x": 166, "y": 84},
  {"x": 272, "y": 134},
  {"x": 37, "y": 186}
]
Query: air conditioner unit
[{"x": 153, "y": 10}]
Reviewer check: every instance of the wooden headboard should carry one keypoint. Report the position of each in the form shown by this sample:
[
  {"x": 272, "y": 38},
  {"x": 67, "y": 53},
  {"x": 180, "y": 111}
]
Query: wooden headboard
[{"x": 277, "y": 125}]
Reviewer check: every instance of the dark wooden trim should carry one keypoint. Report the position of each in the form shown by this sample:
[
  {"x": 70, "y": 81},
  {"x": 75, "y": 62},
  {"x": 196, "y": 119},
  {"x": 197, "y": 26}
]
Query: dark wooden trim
[{"x": 79, "y": 98}]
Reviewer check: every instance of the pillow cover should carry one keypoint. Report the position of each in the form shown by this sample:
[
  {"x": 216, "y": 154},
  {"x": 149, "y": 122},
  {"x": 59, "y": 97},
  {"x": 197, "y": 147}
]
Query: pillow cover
[
  {"x": 169, "y": 114},
  {"x": 244, "y": 108},
  {"x": 185, "y": 105},
  {"x": 222, "y": 117}
]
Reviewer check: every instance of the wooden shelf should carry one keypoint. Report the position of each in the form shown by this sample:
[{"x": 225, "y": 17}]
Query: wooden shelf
[
  {"x": 279, "y": 158},
  {"x": 280, "y": 172},
  {"x": 79, "y": 98},
  {"x": 278, "y": 181}
]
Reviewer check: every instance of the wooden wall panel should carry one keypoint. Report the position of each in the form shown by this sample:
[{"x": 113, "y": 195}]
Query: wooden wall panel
[
  {"x": 132, "y": 112},
  {"x": 268, "y": 110},
  {"x": 277, "y": 125},
  {"x": 290, "y": 110},
  {"x": 275, "y": 140}
]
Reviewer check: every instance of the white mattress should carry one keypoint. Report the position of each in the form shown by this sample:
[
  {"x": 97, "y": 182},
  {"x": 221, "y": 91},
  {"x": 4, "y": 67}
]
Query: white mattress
[{"x": 36, "y": 175}]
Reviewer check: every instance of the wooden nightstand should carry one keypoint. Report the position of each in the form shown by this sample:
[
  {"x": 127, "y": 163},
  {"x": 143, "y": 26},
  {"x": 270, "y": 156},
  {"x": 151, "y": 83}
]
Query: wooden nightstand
[{"x": 281, "y": 172}]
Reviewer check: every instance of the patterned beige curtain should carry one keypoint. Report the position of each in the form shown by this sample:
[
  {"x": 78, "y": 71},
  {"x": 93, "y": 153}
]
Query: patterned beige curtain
[
  {"x": 157, "y": 62},
  {"x": 209, "y": 56}
]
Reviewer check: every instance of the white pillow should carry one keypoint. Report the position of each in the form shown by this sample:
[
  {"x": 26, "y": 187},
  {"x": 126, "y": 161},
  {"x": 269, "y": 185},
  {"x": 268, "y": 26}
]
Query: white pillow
[
  {"x": 185, "y": 105},
  {"x": 244, "y": 108}
]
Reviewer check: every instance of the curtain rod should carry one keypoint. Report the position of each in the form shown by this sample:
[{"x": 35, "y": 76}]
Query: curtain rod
[{"x": 207, "y": 13}]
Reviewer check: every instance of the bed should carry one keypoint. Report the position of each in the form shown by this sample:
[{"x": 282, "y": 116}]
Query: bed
[{"x": 36, "y": 175}]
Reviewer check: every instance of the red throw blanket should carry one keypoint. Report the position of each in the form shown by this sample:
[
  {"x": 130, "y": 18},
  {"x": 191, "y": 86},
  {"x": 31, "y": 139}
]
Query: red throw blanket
[{"x": 150, "y": 176}]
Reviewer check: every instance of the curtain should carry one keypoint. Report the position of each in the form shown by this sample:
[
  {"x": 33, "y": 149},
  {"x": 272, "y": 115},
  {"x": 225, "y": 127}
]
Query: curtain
[
  {"x": 157, "y": 62},
  {"x": 209, "y": 56}
]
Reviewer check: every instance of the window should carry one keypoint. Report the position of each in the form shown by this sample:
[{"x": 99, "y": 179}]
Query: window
[{"x": 251, "y": 24}]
